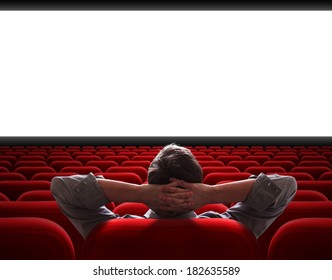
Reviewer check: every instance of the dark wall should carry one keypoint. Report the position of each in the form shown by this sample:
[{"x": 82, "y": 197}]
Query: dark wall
[{"x": 186, "y": 140}]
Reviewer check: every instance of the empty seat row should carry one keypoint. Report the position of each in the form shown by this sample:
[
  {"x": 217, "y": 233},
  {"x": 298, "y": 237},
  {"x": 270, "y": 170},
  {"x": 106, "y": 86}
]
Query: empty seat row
[{"x": 31, "y": 238}]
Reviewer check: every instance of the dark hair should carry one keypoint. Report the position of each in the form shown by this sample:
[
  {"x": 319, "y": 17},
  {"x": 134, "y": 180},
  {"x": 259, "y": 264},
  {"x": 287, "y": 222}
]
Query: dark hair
[{"x": 177, "y": 162}]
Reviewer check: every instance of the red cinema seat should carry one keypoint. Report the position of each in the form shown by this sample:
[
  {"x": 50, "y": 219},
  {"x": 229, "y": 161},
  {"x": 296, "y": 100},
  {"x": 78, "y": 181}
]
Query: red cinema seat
[
  {"x": 324, "y": 187},
  {"x": 226, "y": 159},
  {"x": 241, "y": 154},
  {"x": 6, "y": 164},
  {"x": 81, "y": 169},
  {"x": 85, "y": 159},
  {"x": 21, "y": 163},
  {"x": 295, "y": 210},
  {"x": 49, "y": 176},
  {"x": 218, "y": 207},
  {"x": 171, "y": 239},
  {"x": 34, "y": 239},
  {"x": 212, "y": 169},
  {"x": 143, "y": 158},
  {"x": 29, "y": 171},
  {"x": 215, "y": 155},
  {"x": 43, "y": 209},
  {"x": 204, "y": 158},
  {"x": 103, "y": 165},
  {"x": 299, "y": 176},
  {"x": 139, "y": 170},
  {"x": 140, "y": 209},
  {"x": 315, "y": 163},
  {"x": 303, "y": 239},
  {"x": 118, "y": 159},
  {"x": 3, "y": 197},
  {"x": 128, "y": 154},
  {"x": 50, "y": 159},
  {"x": 242, "y": 165},
  {"x": 131, "y": 208},
  {"x": 103, "y": 154},
  {"x": 309, "y": 195},
  {"x": 326, "y": 176},
  {"x": 11, "y": 176},
  {"x": 204, "y": 163},
  {"x": 293, "y": 159},
  {"x": 314, "y": 171},
  {"x": 57, "y": 165},
  {"x": 3, "y": 169},
  {"x": 143, "y": 163},
  {"x": 259, "y": 159},
  {"x": 304, "y": 158},
  {"x": 13, "y": 189},
  {"x": 285, "y": 164},
  {"x": 256, "y": 170},
  {"x": 81, "y": 154},
  {"x": 214, "y": 178},
  {"x": 10, "y": 159},
  {"x": 36, "y": 195},
  {"x": 31, "y": 158},
  {"x": 128, "y": 177}
]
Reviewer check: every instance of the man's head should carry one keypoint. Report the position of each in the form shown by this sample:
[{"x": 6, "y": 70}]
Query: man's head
[{"x": 177, "y": 162}]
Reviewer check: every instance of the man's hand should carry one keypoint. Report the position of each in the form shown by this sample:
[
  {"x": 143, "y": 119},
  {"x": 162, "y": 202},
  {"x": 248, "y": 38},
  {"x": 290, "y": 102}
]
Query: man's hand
[
  {"x": 200, "y": 193},
  {"x": 167, "y": 200}
]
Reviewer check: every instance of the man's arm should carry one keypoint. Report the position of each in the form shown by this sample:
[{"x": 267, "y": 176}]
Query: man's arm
[
  {"x": 206, "y": 194},
  {"x": 82, "y": 198}
]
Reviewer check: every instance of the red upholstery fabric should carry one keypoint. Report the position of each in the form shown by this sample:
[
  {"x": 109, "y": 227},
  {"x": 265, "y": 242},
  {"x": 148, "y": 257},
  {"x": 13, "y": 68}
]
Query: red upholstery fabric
[
  {"x": 242, "y": 165},
  {"x": 132, "y": 208},
  {"x": 37, "y": 195},
  {"x": 11, "y": 176},
  {"x": 3, "y": 197},
  {"x": 309, "y": 195},
  {"x": 103, "y": 165},
  {"x": 81, "y": 169},
  {"x": 325, "y": 187},
  {"x": 143, "y": 163},
  {"x": 122, "y": 176},
  {"x": 13, "y": 189},
  {"x": 49, "y": 176},
  {"x": 215, "y": 177},
  {"x": 213, "y": 169},
  {"x": 314, "y": 171},
  {"x": 295, "y": 210},
  {"x": 43, "y": 209},
  {"x": 139, "y": 170},
  {"x": 286, "y": 164},
  {"x": 326, "y": 176},
  {"x": 34, "y": 239},
  {"x": 29, "y": 171},
  {"x": 146, "y": 239},
  {"x": 57, "y": 165},
  {"x": 303, "y": 239},
  {"x": 256, "y": 170}
]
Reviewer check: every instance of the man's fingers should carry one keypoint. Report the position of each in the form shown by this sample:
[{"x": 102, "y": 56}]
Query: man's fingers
[{"x": 187, "y": 206}]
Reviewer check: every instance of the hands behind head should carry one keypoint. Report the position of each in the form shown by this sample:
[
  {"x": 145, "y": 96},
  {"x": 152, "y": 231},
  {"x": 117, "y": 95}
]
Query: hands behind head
[{"x": 176, "y": 197}]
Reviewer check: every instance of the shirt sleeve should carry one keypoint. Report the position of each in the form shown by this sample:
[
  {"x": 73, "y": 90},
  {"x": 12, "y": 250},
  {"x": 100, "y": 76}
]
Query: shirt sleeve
[
  {"x": 267, "y": 199},
  {"x": 82, "y": 200}
]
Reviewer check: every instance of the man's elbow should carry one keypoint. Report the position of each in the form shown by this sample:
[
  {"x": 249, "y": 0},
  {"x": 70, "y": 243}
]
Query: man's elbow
[
  {"x": 56, "y": 185},
  {"x": 291, "y": 185}
]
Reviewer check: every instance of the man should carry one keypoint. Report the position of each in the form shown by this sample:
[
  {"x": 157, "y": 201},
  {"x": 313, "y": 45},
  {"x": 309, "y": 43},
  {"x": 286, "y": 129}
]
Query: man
[{"x": 174, "y": 190}]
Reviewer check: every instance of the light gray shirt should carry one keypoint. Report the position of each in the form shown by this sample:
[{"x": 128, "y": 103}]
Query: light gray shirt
[{"x": 82, "y": 200}]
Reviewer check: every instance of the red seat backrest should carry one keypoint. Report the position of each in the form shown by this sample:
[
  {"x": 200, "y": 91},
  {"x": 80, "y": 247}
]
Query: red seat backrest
[
  {"x": 148, "y": 239},
  {"x": 13, "y": 189},
  {"x": 295, "y": 210},
  {"x": 34, "y": 239},
  {"x": 43, "y": 209},
  {"x": 303, "y": 239}
]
